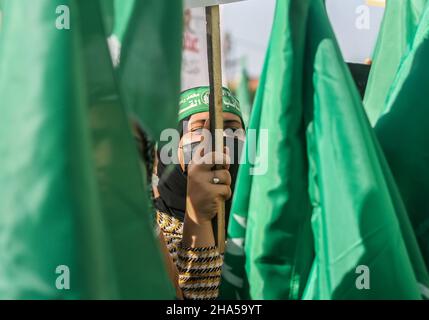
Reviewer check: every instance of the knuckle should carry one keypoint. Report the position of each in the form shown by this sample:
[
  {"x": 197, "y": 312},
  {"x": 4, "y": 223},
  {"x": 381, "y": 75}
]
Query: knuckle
[
  {"x": 226, "y": 176},
  {"x": 228, "y": 193},
  {"x": 228, "y": 179}
]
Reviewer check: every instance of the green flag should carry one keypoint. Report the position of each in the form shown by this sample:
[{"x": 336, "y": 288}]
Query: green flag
[
  {"x": 399, "y": 26},
  {"x": 129, "y": 216},
  {"x": 1, "y": 14},
  {"x": 73, "y": 204},
  {"x": 403, "y": 132},
  {"x": 146, "y": 45},
  {"x": 244, "y": 96},
  {"x": 326, "y": 177},
  {"x": 358, "y": 224},
  {"x": 270, "y": 247},
  {"x": 108, "y": 12}
]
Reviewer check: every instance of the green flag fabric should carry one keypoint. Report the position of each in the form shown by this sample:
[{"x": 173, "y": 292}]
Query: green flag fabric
[
  {"x": 122, "y": 15},
  {"x": 73, "y": 206},
  {"x": 146, "y": 46},
  {"x": 270, "y": 246},
  {"x": 244, "y": 96},
  {"x": 403, "y": 132},
  {"x": 108, "y": 12},
  {"x": 326, "y": 209},
  {"x": 396, "y": 36},
  {"x": 1, "y": 14},
  {"x": 44, "y": 154}
]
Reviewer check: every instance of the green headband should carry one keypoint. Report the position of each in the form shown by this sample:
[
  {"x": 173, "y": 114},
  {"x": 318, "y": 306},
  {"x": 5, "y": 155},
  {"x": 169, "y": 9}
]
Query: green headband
[{"x": 196, "y": 100}]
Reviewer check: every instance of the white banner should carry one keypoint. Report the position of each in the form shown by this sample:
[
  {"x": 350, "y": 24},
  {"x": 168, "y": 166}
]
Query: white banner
[
  {"x": 206, "y": 3},
  {"x": 195, "y": 71}
]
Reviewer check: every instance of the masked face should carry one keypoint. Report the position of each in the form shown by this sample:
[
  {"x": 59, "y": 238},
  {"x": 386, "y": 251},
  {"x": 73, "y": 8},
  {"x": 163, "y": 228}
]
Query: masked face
[{"x": 173, "y": 180}]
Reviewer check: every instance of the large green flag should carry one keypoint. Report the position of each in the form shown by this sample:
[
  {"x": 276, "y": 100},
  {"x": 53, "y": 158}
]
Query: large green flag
[
  {"x": 146, "y": 46},
  {"x": 108, "y": 12},
  {"x": 1, "y": 14},
  {"x": 403, "y": 132},
  {"x": 396, "y": 36},
  {"x": 270, "y": 247},
  {"x": 73, "y": 204},
  {"x": 326, "y": 176},
  {"x": 358, "y": 219}
]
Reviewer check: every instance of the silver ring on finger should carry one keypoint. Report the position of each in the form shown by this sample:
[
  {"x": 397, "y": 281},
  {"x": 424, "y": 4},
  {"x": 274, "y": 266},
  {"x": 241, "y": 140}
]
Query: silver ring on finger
[{"x": 216, "y": 180}]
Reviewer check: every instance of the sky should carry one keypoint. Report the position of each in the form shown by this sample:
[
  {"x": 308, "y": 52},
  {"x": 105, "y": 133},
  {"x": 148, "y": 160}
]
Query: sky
[
  {"x": 355, "y": 22},
  {"x": 249, "y": 23}
]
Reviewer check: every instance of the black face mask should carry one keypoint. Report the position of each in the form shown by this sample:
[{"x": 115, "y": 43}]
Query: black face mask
[
  {"x": 173, "y": 181},
  {"x": 172, "y": 189}
]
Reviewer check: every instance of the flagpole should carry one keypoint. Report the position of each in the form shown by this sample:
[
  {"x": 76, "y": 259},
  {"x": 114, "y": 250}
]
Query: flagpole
[{"x": 216, "y": 105}]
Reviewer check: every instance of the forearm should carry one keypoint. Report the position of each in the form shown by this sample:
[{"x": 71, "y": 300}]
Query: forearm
[{"x": 196, "y": 234}]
